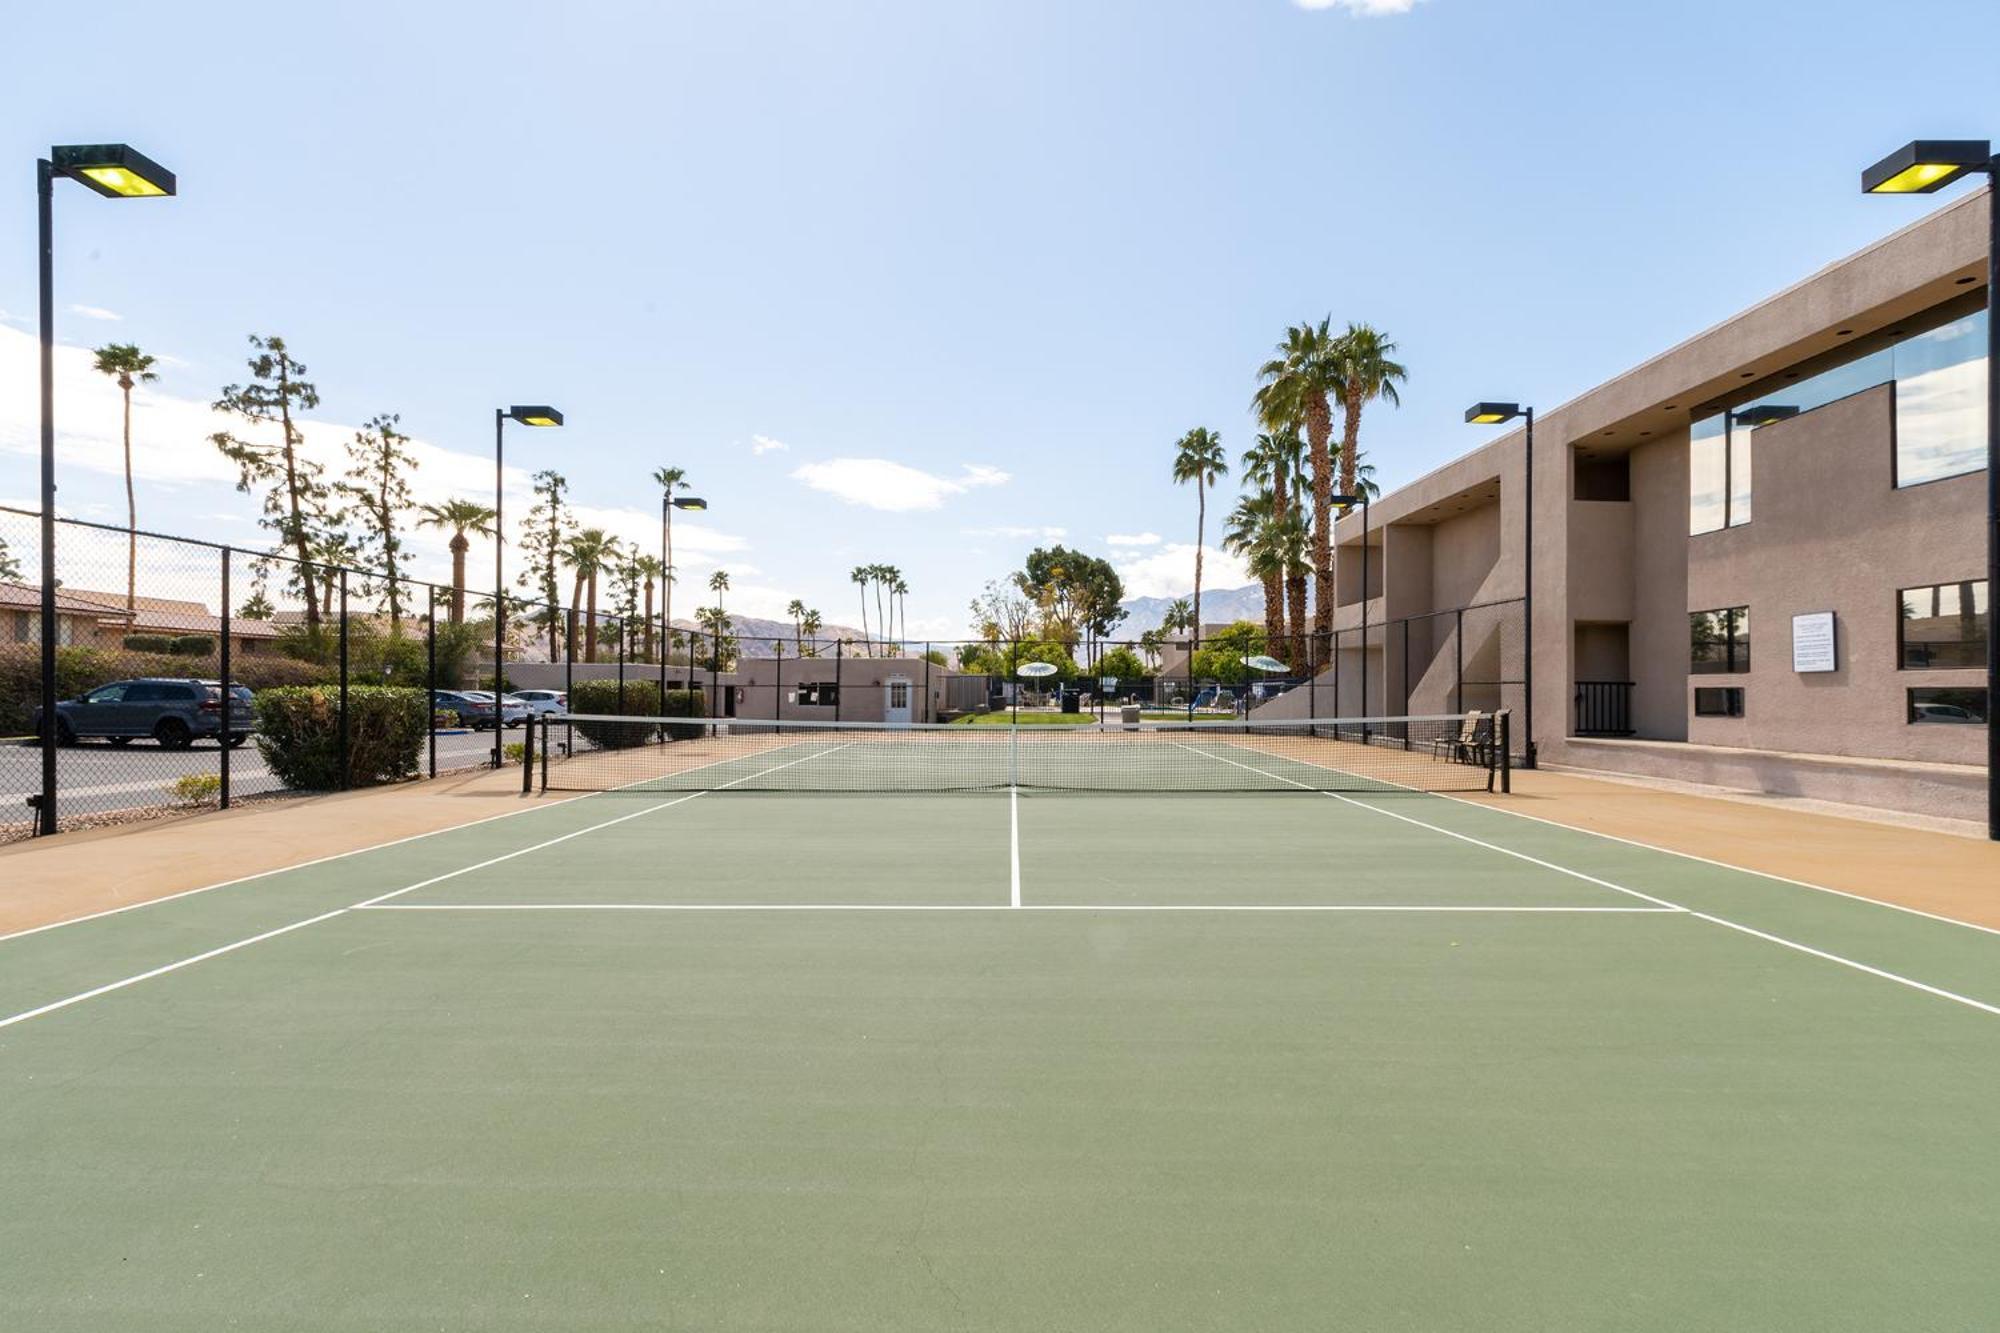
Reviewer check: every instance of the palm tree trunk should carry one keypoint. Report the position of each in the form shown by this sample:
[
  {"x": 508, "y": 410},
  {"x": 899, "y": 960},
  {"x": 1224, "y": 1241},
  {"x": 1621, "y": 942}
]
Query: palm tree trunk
[
  {"x": 1319, "y": 428},
  {"x": 131, "y": 517},
  {"x": 1274, "y": 611},
  {"x": 1200, "y": 537},
  {"x": 460, "y": 544},
  {"x": 864, "y": 616},
  {"x": 1295, "y": 598},
  {"x": 649, "y": 620},
  {"x": 590, "y": 625},
  {"x": 575, "y": 601}
]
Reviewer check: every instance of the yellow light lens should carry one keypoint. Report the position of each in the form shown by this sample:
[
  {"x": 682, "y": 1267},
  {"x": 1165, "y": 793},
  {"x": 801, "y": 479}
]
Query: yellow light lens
[
  {"x": 1487, "y": 419},
  {"x": 538, "y": 421},
  {"x": 1916, "y": 177},
  {"x": 120, "y": 181}
]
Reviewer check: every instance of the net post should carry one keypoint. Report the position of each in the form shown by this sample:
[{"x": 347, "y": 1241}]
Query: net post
[
  {"x": 545, "y": 755},
  {"x": 1506, "y": 755},
  {"x": 1014, "y": 656},
  {"x": 228, "y": 699},
  {"x": 345, "y": 773},
  {"x": 431, "y": 673},
  {"x": 528, "y": 755}
]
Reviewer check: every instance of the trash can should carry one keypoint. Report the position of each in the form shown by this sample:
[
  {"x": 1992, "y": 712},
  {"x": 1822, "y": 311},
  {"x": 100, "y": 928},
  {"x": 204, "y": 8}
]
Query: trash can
[
  {"x": 1072, "y": 702},
  {"x": 1128, "y": 716}
]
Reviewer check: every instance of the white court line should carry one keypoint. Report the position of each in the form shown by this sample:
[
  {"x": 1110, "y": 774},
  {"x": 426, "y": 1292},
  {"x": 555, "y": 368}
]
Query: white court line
[
  {"x": 162, "y": 970},
  {"x": 1014, "y": 838},
  {"x": 1492, "y": 847},
  {"x": 134, "y": 980},
  {"x": 1724, "y": 865},
  {"x": 1724, "y": 922},
  {"x": 336, "y": 856},
  {"x": 995, "y": 907}
]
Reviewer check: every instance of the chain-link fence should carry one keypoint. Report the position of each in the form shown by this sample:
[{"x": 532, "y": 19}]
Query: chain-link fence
[{"x": 170, "y": 655}]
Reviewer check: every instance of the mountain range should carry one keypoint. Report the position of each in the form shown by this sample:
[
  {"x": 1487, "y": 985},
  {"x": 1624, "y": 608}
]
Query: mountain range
[{"x": 1219, "y": 606}]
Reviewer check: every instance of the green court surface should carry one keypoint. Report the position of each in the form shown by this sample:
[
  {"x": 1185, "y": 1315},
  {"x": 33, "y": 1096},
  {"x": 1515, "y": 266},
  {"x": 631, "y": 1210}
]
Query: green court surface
[{"x": 987, "y": 1061}]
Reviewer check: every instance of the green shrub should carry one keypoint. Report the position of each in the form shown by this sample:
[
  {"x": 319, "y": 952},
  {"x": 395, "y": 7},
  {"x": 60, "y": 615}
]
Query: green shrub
[
  {"x": 196, "y": 788},
  {"x": 641, "y": 699},
  {"x": 514, "y": 752},
  {"x": 298, "y": 733},
  {"x": 148, "y": 643},
  {"x": 192, "y": 645}
]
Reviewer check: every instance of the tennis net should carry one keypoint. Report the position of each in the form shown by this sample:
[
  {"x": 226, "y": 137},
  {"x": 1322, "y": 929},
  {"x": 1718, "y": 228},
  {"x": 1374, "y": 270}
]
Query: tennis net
[{"x": 647, "y": 754}]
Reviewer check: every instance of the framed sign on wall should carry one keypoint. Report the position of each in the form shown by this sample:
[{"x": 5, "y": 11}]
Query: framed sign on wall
[{"x": 1813, "y": 646}]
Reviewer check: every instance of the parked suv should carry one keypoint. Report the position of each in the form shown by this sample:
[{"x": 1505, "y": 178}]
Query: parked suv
[
  {"x": 513, "y": 712},
  {"x": 174, "y": 712},
  {"x": 541, "y": 702}
]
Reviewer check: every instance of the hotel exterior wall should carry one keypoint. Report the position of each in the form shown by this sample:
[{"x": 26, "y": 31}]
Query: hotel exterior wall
[{"x": 1831, "y": 533}]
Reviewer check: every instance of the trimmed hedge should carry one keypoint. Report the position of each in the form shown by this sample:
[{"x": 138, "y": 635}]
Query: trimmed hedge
[
  {"x": 641, "y": 699},
  {"x": 177, "y": 645},
  {"x": 298, "y": 733},
  {"x": 80, "y": 670}
]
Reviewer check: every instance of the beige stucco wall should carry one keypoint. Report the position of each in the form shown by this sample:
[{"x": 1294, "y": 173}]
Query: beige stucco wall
[{"x": 1830, "y": 532}]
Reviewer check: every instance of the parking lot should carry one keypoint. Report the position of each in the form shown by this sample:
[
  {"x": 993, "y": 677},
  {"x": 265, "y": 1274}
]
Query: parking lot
[{"x": 96, "y": 778}]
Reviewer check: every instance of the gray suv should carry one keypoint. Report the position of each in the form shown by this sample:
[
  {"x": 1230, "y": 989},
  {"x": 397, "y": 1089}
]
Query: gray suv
[{"x": 176, "y": 713}]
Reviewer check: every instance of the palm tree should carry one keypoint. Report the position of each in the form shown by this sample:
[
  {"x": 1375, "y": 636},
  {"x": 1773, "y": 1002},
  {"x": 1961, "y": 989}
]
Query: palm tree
[
  {"x": 589, "y": 553},
  {"x": 899, "y": 595},
  {"x": 1296, "y": 386},
  {"x": 880, "y": 576},
  {"x": 462, "y": 517},
  {"x": 650, "y": 568},
  {"x": 669, "y": 480},
  {"x": 129, "y": 366},
  {"x": 1179, "y": 616},
  {"x": 1199, "y": 458},
  {"x": 861, "y": 574},
  {"x": 718, "y": 583},
  {"x": 1252, "y": 531},
  {"x": 1367, "y": 373},
  {"x": 796, "y": 609},
  {"x": 1276, "y": 463},
  {"x": 810, "y": 623}
]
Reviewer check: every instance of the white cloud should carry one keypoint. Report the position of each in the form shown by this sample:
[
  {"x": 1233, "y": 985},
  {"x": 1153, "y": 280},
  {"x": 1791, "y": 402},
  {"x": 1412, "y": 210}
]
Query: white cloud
[
  {"x": 1169, "y": 571},
  {"x": 764, "y": 444},
  {"x": 96, "y": 312},
  {"x": 881, "y": 484},
  {"x": 1133, "y": 539},
  {"x": 1018, "y": 533},
  {"x": 1367, "y": 7}
]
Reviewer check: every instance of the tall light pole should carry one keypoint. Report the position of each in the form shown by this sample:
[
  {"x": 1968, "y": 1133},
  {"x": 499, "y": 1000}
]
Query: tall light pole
[
  {"x": 116, "y": 171},
  {"x": 669, "y": 502},
  {"x": 541, "y": 415},
  {"x": 1920, "y": 167},
  {"x": 1491, "y": 414},
  {"x": 1347, "y": 502}
]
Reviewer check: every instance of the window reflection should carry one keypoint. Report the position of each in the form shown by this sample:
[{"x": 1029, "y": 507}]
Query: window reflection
[
  {"x": 1941, "y": 402},
  {"x": 1719, "y": 641},
  {"x": 1943, "y": 626},
  {"x": 1965, "y": 707},
  {"x": 1708, "y": 476}
]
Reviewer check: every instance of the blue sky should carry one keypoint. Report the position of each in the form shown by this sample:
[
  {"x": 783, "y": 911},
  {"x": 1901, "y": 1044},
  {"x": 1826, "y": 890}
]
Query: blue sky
[{"x": 983, "y": 262}]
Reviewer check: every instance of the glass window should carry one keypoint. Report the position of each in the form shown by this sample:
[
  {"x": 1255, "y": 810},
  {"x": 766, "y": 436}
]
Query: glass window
[
  {"x": 1961, "y": 707},
  {"x": 1718, "y": 702},
  {"x": 823, "y": 694},
  {"x": 1708, "y": 476},
  {"x": 1941, "y": 401},
  {"x": 110, "y": 694},
  {"x": 1719, "y": 641},
  {"x": 1943, "y": 626},
  {"x": 1741, "y": 441}
]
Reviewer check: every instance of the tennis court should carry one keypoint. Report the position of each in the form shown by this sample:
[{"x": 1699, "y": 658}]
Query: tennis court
[{"x": 785, "y": 1037}]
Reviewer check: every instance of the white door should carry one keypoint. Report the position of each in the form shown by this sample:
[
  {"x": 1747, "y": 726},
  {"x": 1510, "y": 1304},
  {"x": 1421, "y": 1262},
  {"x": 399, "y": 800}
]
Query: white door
[{"x": 896, "y": 700}]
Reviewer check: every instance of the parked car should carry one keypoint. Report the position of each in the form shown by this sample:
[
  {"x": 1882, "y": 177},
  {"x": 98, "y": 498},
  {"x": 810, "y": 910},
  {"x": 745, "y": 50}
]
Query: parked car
[
  {"x": 541, "y": 702},
  {"x": 1942, "y": 713},
  {"x": 512, "y": 712},
  {"x": 471, "y": 712},
  {"x": 175, "y": 712}
]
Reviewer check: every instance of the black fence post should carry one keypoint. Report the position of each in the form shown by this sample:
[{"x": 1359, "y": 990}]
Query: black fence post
[
  {"x": 228, "y": 699},
  {"x": 1505, "y": 741},
  {"x": 346, "y": 776},
  {"x": 926, "y": 713},
  {"x": 1406, "y": 682},
  {"x": 1458, "y": 661},
  {"x": 431, "y": 672},
  {"x": 528, "y": 754},
  {"x": 569, "y": 656},
  {"x": 715, "y": 670},
  {"x": 778, "y": 683},
  {"x": 838, "y": 644},
  {"x": 621, "y": 666}
]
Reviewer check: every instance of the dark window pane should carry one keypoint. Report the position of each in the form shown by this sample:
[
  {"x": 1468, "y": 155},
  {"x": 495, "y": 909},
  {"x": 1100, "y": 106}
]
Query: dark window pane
[
  {"x": 1718, "y": 703},
  {"x": 1739, "y": 639},
  {"x": 1943, "y": 625},
  {"x": 1719, "y": 641},
  {"x": 1946, "y": 705}
]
